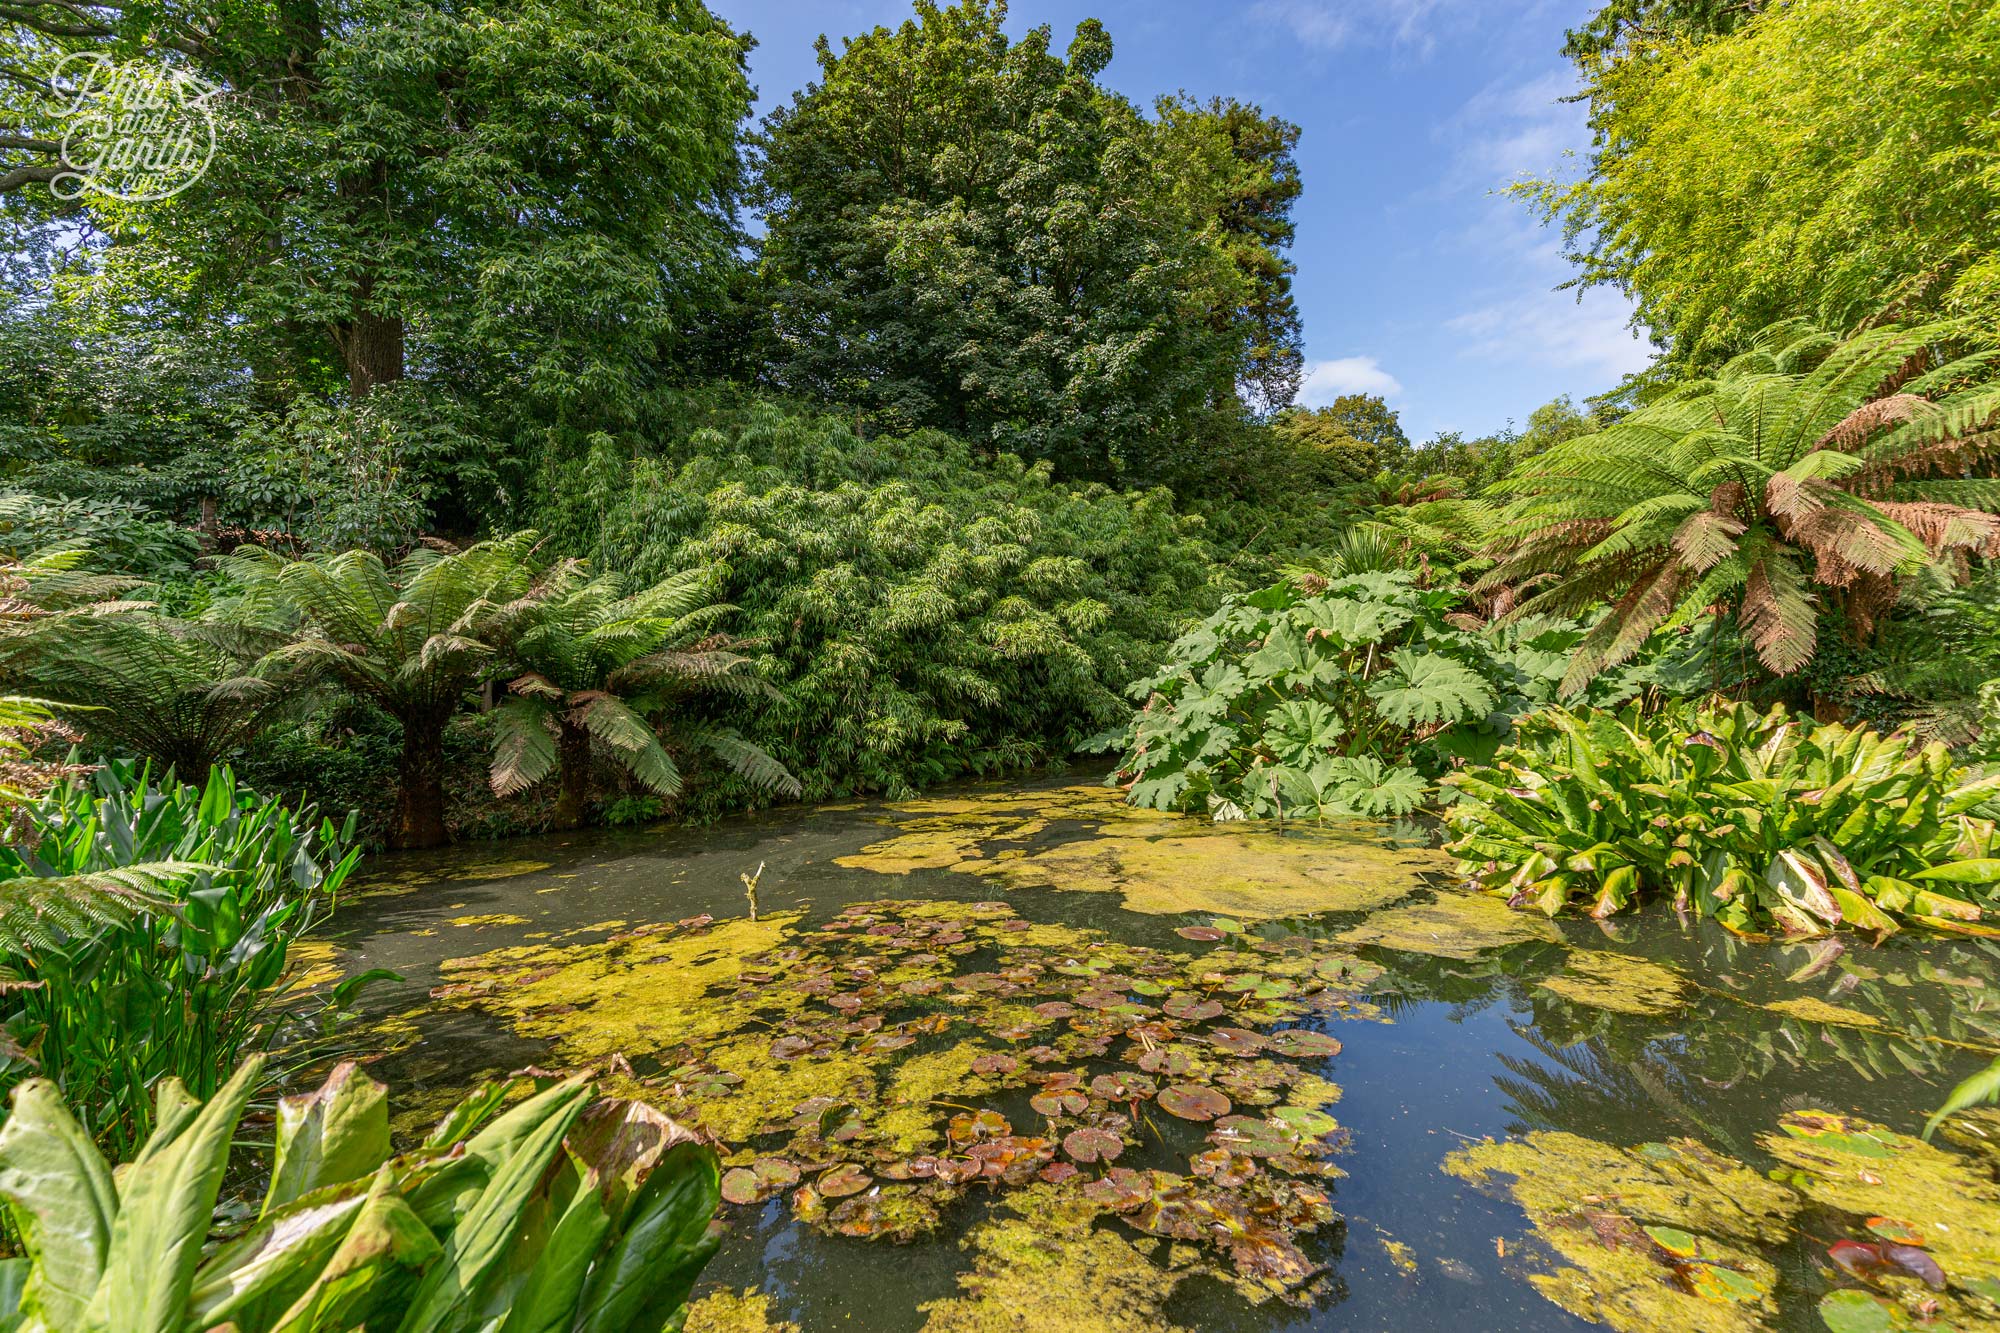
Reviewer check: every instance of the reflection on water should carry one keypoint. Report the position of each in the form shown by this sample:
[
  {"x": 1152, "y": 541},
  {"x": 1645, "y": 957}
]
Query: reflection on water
[{"x": 1478, "y": 1025}]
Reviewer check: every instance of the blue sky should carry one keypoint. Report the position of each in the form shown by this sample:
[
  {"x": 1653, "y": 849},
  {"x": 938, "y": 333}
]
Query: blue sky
[{"x": 1416, "y": 279}]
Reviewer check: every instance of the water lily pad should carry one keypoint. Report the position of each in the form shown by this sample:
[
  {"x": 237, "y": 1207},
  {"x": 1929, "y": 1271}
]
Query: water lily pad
[
  {"x": 1192, "y": 1008},
  {"x": 841, "y": 1181},
  {"x": 1302, "y": 1044},
  {"x": 976, "y": 1125},
  {"x": 1201, "y": 934},
  {"x": 1888, "y": 1228},
  {"x": 1092, "y": 1145},
  {"x": 764, "y": 1178},
  {"x": 1304, "y": 1120},
  {"x": 1193, "y": 1102},
  {"x": 1236, "y": 1041}
]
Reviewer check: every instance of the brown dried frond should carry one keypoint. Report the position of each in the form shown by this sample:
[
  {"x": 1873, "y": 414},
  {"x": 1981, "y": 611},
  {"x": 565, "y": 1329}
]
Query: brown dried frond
[
  {"x": 1915, "y": 364},
  {"x": 1872, "y": 416},
  {"x": 1944, "y": 527},
  {"x": 1778, "y": 615},
  {"x": 1847, "y": 545}
]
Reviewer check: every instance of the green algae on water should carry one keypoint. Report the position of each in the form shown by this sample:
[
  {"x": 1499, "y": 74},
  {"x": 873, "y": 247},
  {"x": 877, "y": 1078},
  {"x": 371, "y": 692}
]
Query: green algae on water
[
  {"x": 1455, "y": 924},
  {"x": 1045, "y": 1264},
  {"x": 1620, "y": 983},
  {"x": 1160, "y": 864},
  {"x": 1664, "y": 1236},
  {"x": 731, "y": 1312},
  {"x": 860, "y": 1060}
]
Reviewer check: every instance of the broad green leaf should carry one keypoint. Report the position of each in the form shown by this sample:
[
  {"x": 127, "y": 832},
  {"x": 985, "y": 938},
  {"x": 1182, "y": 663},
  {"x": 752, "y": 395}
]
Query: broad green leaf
[
  {"x": 61, "y": 1195},
  {"x": 476, "y": 1252},
  {"x": 335, "y": 1134},
  {"x": 270, "y": 1264},
  {"x": 1985, "y": 871},
  {"x": 165, "y": 1203},
  {"x": 644, "y": 1280},
  {"x": 386, "y": 1244}
]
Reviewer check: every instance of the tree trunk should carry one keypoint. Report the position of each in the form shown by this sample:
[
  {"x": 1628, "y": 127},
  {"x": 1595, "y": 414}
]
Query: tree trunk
[
  {"x": 372, "y": 347},
  {"x": 572, "y": 774},
  {"x": 420, "y": 786}
]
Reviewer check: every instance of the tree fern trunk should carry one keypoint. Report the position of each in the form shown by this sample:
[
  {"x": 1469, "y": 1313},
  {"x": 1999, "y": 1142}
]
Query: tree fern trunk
[
  {"x": 420, "y": 789},
  {"x": 572, "y": 775}
]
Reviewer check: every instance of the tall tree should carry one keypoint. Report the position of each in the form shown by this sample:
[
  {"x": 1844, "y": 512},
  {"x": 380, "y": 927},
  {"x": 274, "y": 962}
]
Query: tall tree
[
  {"x": 1769, "y": 172},
  {"x": 970, "y": 233},
  {"x": 536, "y": 190}
]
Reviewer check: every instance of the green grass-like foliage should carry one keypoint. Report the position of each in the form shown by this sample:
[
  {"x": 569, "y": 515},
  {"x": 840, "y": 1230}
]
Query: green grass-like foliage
[
  {"x": 1763, "y": 821},
  {"x": 148, "y": 931},
  {"x": 1334, "y": 696},
  {"x": 560, "y": 1214},
  {"x": 926, "y": 614}
]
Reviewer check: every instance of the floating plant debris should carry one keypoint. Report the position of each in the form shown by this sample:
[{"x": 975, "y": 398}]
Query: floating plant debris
[
  {"x": 872, "y": 1069},
  {"x": 1161, "y": 864}
]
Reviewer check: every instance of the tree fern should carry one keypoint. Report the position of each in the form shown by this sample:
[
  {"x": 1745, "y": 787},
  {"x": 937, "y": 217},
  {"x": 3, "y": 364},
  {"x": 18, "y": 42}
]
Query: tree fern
[
  {"x": 52, "y": 911},
  {"x": 613, "y": 675},
  {"x": 1809, "y": 472}
]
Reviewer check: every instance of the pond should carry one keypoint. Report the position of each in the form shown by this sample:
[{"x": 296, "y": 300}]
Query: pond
[{"x": 1018, "y": 1058}]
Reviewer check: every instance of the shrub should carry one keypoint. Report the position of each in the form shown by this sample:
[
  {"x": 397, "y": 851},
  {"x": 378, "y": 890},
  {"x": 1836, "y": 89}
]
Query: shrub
[
  {"x": 1335, "y": 696},
  {"x": 109, "y": 1004},
  {"x": 563, "y": 1212},
  {"x": 1762, "y": 821},
  {"x": 927, "y": 614},
  {"x": 115, "y": 537}
]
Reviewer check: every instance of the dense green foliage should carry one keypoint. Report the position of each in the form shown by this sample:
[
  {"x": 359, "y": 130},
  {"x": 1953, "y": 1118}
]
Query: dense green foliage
[
  {"x": 925, "y": 614},
  {"x": 1766, "y": 174},
  {"x": 972, "y": 234},
  {"x": 358, "y": 138},
  {"x": 1322, "y": 697},
  {"x": 1808, "y": 473},
  {"x": 1762, "y": 821},
  {"x": 561, "y": 1212},
  {"x": 186, "y": 901},
  {"x": 600, "y": 670}
]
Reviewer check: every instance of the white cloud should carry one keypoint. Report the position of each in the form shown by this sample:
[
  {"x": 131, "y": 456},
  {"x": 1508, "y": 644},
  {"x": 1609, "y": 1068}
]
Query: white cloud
[
  {"x": 1327, "y": 380},
  {"x": 1554, "y": 329},
  {"x": 1326, "y": 25}
]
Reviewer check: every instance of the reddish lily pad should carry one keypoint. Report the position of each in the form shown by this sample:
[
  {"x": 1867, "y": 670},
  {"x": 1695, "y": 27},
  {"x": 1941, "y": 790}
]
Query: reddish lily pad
[
  {"x": 1192, "y": 1008},
  {"x": 1302, "y": 1044},
  {"x": 842, "y": 1181},
  {"x": 1236, "y": 1041},
  {"x": 1092, "y": 1145},
  {"x": 1122, "y": 1087},
  {"x": 1200, "y": 934},
  {"x": 977, "y": 1125},
  {"x": 1059, "y": 1102},
  {"x": 1192, "y": 1102}
]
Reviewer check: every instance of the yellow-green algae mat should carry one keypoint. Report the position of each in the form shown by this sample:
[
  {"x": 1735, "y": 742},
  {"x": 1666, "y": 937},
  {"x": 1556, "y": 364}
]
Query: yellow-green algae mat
[
  {"x": 1672, "y": 1236},
  {"x": 1161, "y": 864},
  {"x": 874, "y": 1069}
]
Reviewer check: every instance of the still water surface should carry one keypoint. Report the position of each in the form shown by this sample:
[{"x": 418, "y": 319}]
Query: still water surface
[{"x": 1461, "y": 1037}]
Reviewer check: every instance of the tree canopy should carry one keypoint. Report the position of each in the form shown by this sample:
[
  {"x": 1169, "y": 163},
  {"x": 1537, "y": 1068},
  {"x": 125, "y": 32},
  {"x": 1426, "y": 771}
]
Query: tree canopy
[
  {"x": 1831, "y": 159},
  {"x": 970, "y": 233}
]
